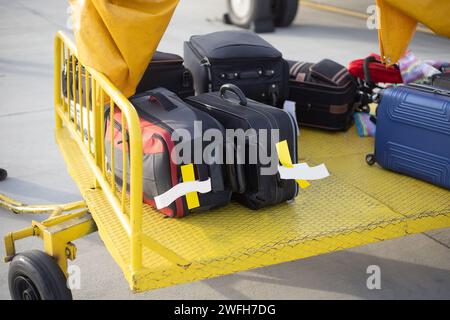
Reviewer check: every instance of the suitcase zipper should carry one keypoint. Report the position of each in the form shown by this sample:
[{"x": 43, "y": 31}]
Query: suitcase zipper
[
  {"x": 191, "y": 45},
  {"x": 167, "y": 62},
  {"x": 318, "y": 86},
  {"x": 153, "y": 119}
]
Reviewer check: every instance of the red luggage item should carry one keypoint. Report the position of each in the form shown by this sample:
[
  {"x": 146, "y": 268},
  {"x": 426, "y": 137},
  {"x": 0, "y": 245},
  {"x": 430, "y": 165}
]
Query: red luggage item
[
  {"x": 377, "y": 72},
  {"x": 161, "y": 114}
]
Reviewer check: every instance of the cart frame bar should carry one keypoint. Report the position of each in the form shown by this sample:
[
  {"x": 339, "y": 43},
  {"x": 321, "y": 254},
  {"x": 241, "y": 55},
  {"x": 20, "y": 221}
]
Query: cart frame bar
[{"x": 82, "y": 113}]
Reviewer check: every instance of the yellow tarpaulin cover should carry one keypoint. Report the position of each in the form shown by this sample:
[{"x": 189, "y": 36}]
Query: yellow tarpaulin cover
[
  {"x": 119, "y": 37},
  {"x": 399, "y": 19}
]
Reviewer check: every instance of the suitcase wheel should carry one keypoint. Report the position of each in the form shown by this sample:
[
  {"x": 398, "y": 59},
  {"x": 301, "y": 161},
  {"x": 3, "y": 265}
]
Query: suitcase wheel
[
  {"x": 370, "y": 159},
  {"x": 365, "y": 109}
]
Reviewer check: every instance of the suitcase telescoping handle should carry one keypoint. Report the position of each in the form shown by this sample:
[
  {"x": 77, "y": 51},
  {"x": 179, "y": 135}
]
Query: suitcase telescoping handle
[
  {"x": 429, "y": 89},
  {"x": 234, "y": 89}
]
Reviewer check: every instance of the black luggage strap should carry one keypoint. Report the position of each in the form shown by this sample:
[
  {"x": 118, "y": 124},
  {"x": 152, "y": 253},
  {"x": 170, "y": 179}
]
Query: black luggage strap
[
  {"x": 366, "y": 88},
  {"x": 274, "y": 93},
  {"x": 187, "y": 79},
  {"x": 274, "y": 99}
]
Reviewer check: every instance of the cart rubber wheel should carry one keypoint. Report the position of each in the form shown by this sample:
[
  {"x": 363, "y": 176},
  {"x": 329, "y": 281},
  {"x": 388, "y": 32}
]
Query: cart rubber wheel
[
  {"x": 284, "y": 12},
  {"x": 370, "y": 159},
  {"x": 241, "y": 12},
  {"x": 34, "y": 275},
  {"x": 3, "y": 174}
]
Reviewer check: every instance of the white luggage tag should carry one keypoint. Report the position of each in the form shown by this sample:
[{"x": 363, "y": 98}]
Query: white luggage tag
[
  {"x": 300, "y": 172},
  {"x": 303, "y": 171},
  {"x": 189, "y": 188}
]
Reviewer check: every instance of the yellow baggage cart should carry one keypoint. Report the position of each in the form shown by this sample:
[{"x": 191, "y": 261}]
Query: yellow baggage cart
[{"x": 355, "y": 206}]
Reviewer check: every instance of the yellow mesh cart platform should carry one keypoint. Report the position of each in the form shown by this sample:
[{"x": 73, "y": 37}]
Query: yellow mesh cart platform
[{"x": 356, "y": 205}]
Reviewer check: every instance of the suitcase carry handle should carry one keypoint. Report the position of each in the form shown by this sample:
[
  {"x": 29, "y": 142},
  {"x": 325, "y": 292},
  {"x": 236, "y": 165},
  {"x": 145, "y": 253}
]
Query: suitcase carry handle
[
  {"x": 234, "y": 89},
  {"x": 429, "y": 89},
  {"x": 162, "y": 100},
  {"x": 366, "y": 68}
]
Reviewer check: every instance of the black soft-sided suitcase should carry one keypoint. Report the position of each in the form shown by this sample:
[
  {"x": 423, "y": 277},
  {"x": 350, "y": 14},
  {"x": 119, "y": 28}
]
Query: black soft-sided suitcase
[
  {"x": 161, "y": 113},
  {"x": 167, "y": 70},
  {"x": 250, "y": 187},
  {"x": 241, "y": 58},
  {"x": 74, "y": 96},
  {"x": 324, "y": 94}
]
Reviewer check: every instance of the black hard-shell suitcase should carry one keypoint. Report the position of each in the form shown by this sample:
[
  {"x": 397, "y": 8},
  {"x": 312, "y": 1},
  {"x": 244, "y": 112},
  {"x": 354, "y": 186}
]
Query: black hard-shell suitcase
[
  {"x": 252, "y": 188},
  {"x": 241, "y": 58},
  {"x": 162, "y": 115},
  {"x": 325, "y": 94},
  {"x": 167, "y": 70}
]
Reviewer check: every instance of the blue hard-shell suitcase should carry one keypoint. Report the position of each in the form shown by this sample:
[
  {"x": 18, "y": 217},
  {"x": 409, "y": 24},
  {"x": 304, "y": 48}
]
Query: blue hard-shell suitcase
[{"x": 413, "y": 133}]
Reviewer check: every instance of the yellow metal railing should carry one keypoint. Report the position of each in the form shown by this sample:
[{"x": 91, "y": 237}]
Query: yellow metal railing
[{"x": 80, "y": 108}]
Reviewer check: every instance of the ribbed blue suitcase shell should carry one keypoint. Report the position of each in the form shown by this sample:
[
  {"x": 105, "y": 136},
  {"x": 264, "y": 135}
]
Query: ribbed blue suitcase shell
[{"x": 413, "y": 133}]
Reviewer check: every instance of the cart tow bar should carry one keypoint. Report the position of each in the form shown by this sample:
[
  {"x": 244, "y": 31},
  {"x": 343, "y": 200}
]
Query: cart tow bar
[{"x": 65, "y": 223}]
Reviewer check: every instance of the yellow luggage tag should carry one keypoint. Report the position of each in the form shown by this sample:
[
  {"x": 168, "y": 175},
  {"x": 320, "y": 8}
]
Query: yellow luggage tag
[
  {"x": 188, "y": 174},
  {"x": 189, "y": 188}
]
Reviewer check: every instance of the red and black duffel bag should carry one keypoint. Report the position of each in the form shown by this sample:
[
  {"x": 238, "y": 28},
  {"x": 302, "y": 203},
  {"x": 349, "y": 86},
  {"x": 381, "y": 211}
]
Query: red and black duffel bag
[
  {"x": 372, "y": 70},
  {"x": 161, "y": 113}
]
